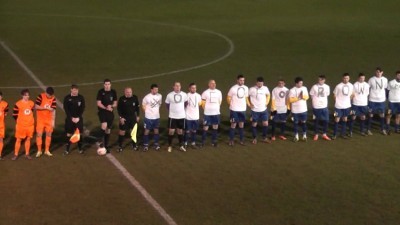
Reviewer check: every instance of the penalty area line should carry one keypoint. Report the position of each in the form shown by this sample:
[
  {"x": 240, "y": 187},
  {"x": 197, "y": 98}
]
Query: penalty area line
[{"x": 110, "y": 157}]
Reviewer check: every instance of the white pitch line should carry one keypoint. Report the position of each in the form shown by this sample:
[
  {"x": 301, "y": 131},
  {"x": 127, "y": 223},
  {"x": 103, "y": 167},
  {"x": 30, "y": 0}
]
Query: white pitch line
[
  {"x": 110, "y": 157},
  {"x": 225, "y": 38}
]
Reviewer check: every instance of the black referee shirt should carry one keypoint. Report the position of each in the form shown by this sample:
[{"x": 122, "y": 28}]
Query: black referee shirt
[
  {"x": 128, "y": 108},
  {"x": 106, "y": 97},
  {"x": 74, "y": 105}
]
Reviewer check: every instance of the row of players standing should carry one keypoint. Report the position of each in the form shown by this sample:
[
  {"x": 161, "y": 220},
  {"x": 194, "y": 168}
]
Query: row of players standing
[{"x": 361, "y": 100}]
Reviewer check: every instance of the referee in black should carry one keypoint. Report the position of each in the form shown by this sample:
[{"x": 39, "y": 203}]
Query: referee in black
[
  {"x": 106, "y": 102},
  {"x": 74, "y": 106},
  {"x": 128, "y": 111}
]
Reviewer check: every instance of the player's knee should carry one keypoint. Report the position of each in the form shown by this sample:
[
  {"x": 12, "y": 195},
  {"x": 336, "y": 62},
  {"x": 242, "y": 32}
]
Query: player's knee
[{"x": 104, "y": 126}]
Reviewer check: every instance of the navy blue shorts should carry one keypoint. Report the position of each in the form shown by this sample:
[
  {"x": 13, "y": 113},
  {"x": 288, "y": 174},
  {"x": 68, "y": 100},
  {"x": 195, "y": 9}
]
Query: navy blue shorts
[
  {"x": 150, "y": 124},
  {"x": 237, "y": 117},
  {"x": 259, "y": 116},
  {"x": 280, "y": 117},
  {"x": 321, "y": 114},
  {"x": 377, "y": 107},
  {"x": 211, "y": 120},
  {"x": 299, "y": 117},
  {"x": 341, "y": 112},
  {"x": 394, "y": 108},
  {"x": 192, "y": 124},
  {"x": 359, "y": 110}
]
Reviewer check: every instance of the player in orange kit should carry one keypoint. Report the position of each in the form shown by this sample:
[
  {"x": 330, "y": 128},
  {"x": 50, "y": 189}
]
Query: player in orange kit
[
  {"x": 3, "y": 113},
  {"x": 45, "y": 119},
  {"x": 23, "y": 114}
]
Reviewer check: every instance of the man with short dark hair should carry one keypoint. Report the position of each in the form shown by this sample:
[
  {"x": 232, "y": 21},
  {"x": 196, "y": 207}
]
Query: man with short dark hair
[
  {"x": 151, "y": 106},
  {"x": 359, "y": 106},
  {"x": 298, "y": 97},
  {"x": 238, "y": 100},
  {"x": 280, "y": 109},
  {"x": 45, "y": 119},
  {"x": 319, "y": 93},
  {"x": 192, "y": 115},
  {"x": 25, "y": 122},
  {"x": 106, "y": 102},
  {"x": 259, "y": 99},
  {"x": 74, "y": 106},
  {"x": 377, "y": 99},
  {"x": 343, "y": 93}
]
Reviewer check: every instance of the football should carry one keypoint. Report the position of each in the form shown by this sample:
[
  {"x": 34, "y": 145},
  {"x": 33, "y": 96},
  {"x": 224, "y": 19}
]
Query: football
[{"x": 101, "y": 151}]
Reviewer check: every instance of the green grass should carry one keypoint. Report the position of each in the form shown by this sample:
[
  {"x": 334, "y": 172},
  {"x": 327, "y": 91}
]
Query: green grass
[{"x": 341, "y": 182}]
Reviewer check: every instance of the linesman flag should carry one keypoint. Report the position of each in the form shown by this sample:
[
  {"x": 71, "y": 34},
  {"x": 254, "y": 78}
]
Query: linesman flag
[
  {"x": 134, "y": 132},
  {"x": 75, "y": 137}
]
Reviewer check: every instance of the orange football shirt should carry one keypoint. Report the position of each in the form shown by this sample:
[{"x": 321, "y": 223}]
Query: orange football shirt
[
  {"x": 43, "y": 101},
  {"x": 24, "y": 111}
]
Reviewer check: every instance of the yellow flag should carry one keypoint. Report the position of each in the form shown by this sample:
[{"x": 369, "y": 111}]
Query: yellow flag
[
  {"x": 75, "y": 137},
  {"x": 133, "y": 133}
]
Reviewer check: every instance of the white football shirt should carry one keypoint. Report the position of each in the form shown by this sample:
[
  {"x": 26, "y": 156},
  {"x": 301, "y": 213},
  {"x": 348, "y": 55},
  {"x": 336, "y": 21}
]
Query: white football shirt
[
  {"x": 361, "y": 92},
  {"x": 176, "y": 103},
  {"x": 192, "y": 107},
  {"x": 213, "y": 99},
  {"x": 319, "y": 95},
  {"x": 279, "y": 96},
  {"x": 377, "y": 91},
  {"x": 238, "y": 96},
  {"x": 301, "y": 105},
  {"x": 394, "y": 91},
  {"x": 343, "y": 94},
  {"x": 152, "y": 105},
  {"x": 258, "y": 97}
]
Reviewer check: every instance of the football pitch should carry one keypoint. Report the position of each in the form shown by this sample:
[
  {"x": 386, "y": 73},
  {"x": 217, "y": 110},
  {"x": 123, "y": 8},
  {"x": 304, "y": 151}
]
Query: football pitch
[{"x": 137, "y": 43}]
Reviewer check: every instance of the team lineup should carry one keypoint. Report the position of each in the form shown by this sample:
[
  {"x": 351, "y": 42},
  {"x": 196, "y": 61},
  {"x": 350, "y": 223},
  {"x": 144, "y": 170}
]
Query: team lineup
[{"x": 360, "y": 100}]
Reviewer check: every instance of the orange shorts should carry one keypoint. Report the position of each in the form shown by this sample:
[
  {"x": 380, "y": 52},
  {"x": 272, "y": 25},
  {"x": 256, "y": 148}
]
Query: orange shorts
[
  {"x": 46, "y": 127},
  {"x": 23, "y": 132},
  {"x": 2, "y": 131}
]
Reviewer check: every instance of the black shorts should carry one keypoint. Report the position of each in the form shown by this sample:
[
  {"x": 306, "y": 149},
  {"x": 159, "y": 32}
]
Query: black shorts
[
  {"x": 176, "y": 123},
  {"x": 70, "y": 127},
  {"x": 128, "y": 125},
  {"x": 106, "y": 117}
]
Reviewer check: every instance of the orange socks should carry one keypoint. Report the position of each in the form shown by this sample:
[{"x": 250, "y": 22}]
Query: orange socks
[
  {"x": 1, "y": 147},
  {"x": 39, "y": 141},
  {"x": 27, "y": 146},
  {"x": 17, "y": 146},
  {"x": 47, "y": 143}
]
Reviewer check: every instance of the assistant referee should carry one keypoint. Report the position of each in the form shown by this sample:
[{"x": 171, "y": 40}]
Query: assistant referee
[{"x": 128, "y": 111}]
